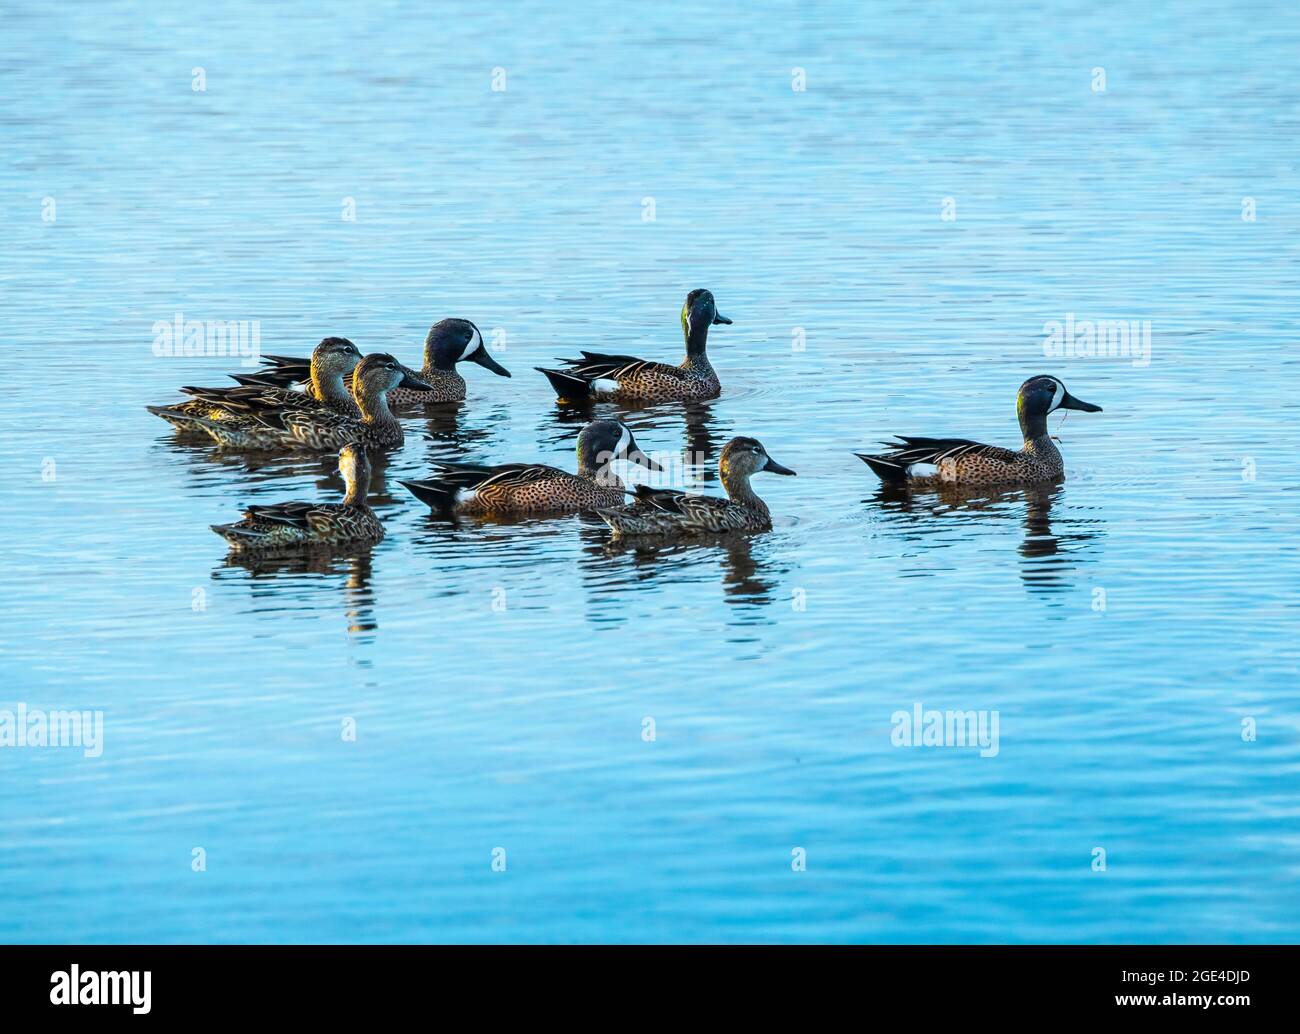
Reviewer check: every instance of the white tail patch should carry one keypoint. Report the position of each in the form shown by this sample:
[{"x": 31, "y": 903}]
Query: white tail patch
[
  {"x": 923, "y": 470},
  {"x": 605, "y": 384}
]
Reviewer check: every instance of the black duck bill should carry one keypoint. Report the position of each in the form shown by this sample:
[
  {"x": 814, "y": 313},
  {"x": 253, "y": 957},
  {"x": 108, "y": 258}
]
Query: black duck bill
[
  {"x": 488, "y": 363},
  {"x": 410, "y": 379},
  {"x": 1068, "y": 401}
]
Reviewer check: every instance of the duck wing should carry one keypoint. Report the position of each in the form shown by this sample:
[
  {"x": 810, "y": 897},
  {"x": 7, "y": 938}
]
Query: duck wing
[
  {"x": 900, "y": 456},
  {"x": 504, "y": 475},
  {"x": 295, "y": 515},
  {"x": 598, "y": 365},
  {"x": 247, "y": 397},
  {"x": 284, "y": 370}
]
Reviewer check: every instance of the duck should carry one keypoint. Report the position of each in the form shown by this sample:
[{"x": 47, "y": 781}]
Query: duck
[
  {"x": 922, "y": 462},
  {"x": 521, "y": 488},
  {"x": 658, "y": 512},
  {"x": 448, "y": 342},
  {"x": 332, "y": 361},
  {"x": 326, "y": 430},
  {"x": 624, "y": 377},
  {"x": 291, "y": 525}
]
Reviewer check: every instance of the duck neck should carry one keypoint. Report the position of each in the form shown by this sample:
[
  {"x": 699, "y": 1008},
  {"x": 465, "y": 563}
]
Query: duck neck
[
  {"x": 604, "y": 475},
  {"x": 1033, "y": 426},
  {"x": 438, "y": 359},
  {"x": 697, "y": 337},
  {"x": 329, "y": 387},
  {"x": 358, "y": 486},
  {"x": 740, "y": 492},
  {"x": 374, "y": 407}
]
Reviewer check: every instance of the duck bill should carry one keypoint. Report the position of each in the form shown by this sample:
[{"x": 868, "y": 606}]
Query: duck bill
[
  {"x": 719, "y": 318},
  {"x": 772, "y": 467},
  {"x": 488, "y": 363},
  {"x": 637, "y": 456},
  {"x": 1070, "y": 402},
  {"x": 411, "y": 379}
]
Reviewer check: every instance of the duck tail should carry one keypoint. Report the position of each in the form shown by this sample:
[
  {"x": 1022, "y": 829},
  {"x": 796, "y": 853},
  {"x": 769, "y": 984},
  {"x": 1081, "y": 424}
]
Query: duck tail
[
  {"x": 252, "y": 380},
  {"x": 181, "y": 420},
  {"x": 888, "y": 470},
  {"x": 568, "y": 387},
  {"x": 612, "y": 517},
  {"x": 239, "y": 537},
  {"x": 439, "y": 496}
]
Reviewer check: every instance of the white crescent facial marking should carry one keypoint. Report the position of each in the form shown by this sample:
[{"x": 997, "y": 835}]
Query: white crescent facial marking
[
  {"x": 475, "y": 343},
  {"x": 1058, "y": 396},
  {"x": 624, "y": 440}
]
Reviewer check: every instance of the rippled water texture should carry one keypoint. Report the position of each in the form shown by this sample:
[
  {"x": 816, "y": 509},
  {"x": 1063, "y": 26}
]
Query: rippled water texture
[{"x": 1129, "y": 628}]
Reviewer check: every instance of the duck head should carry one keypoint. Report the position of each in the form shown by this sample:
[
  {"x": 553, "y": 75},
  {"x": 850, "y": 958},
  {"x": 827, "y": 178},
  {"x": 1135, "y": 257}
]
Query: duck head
[
  {"x": 454, "y": 341},
  {"x": 699, "y": 313},
  {"x": 1041, "y": 395},
  {"x": 602, "y": 441},
  {"x": 379, "y": 372},
  {"x": 335, "y": 357},
  {"x": 744, "y": 457}
]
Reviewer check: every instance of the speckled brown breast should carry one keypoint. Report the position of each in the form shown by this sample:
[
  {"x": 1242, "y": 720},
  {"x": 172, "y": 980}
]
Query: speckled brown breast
[
  {"x": 694, "y": 380},
  {"x": 1040, "y": 460},
  {"x": 557, "y": 492},
  {"x": 449, "y": 386}
]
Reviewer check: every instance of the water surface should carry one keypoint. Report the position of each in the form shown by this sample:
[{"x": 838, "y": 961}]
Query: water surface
[{"x": 500, "y": 675}]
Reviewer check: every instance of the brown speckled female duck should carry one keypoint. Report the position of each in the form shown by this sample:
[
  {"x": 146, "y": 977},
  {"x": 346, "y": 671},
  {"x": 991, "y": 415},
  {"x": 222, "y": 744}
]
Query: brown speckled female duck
[
  {"x": 295, "y": 525},
  {"x": 597, "y": 375},
  {"x": 680, "y": 513},
  {"x": 925, "y": 461},
  {"x": 535, "y": 488},
  {"x": 325, "y": 430},
  {"x": 331, "y": 361},
  {"x": 448, "y": 342}
]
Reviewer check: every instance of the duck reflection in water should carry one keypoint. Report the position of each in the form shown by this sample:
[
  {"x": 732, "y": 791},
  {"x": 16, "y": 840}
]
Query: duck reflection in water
[
  {"x": 1049, "y": 558},
  {"x": 452, "y": 432},
  {"x": 749, "y": 578},
  {"x": 270, "y": 578}
]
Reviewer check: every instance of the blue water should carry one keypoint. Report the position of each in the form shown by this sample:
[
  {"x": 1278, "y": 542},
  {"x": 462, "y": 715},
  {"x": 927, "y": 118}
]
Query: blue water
[{"x": 1122, "y": 626}]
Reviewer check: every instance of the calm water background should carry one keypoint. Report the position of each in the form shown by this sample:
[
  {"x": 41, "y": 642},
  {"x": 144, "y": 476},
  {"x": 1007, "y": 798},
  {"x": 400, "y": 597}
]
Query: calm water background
[{"x": 522, "y": 728}]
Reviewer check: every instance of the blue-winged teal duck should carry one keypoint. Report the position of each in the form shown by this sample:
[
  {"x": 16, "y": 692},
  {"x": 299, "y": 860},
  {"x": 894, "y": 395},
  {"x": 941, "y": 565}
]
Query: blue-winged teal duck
[
  {"x": 332, "y": 361},
  {"x": 625, "y": 377},
  {"x": 534, "y": 488},
  {"x": 680, "y": 513},
  {"x": 925, "y": 461},
  {"x": 291, "y": 525},
  {"x": 325, "y": 430},
  {"x": 448, "y": 342}
]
